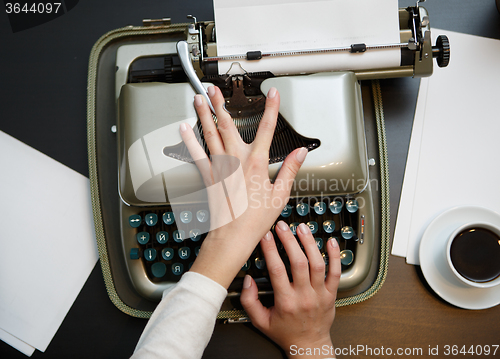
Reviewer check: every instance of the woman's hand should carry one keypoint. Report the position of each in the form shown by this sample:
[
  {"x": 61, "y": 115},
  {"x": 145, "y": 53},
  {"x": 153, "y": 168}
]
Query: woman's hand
[
  {"x": 254, "y": 202},
  {"x": 304, "y": 309}
]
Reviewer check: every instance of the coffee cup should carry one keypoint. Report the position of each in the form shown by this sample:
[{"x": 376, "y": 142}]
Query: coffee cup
[{"x": 473, "y": 254}]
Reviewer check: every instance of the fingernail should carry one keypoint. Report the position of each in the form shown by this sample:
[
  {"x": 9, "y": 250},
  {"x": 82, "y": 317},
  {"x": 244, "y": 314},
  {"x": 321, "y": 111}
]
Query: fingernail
[
  {"x": 211, "y": 91},
  {"x": 303, "y": 228},
  {"x": 301, "y": 154},
  {"x": 272, "y": 92},
  {"x": 183, "y": 126},
  {"x": 247, "y": 282},
  {"x": 282, "y": 225},
  {"x": 268, "y": 236},
  {"x": 198, "y": 100},
  {"x": 334, "y": 242}
]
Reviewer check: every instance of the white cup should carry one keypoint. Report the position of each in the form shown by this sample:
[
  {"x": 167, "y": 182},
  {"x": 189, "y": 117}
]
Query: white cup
[{"x": 470, "y": 226}]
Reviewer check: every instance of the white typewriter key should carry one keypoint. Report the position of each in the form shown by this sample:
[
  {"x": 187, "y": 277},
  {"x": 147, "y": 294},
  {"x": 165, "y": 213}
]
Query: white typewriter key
[
  {"x": 260, "y": 263},
  {"x": 336, "y": 206},
  {"x": 302, "y": 209},
  {"x": 346, "y": 257},
  {"x": 186, "y": 216},
  {"x": 347, "y": 232},
  {"x": 202, "y": 215},
  {"x": 320, "y": 208},
  {"x": 352, "y": 205}
]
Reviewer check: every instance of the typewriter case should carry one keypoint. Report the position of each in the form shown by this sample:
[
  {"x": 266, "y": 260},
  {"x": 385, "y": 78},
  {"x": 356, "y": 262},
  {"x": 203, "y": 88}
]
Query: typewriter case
[{"x": 103, "y": 167}]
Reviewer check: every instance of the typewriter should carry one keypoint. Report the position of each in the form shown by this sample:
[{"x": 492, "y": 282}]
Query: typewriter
[{"x": 163, "y": 225}]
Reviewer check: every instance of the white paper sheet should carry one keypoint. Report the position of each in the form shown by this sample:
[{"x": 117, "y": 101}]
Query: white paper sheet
[
  {"x": 285, "y": 25},
  {"x": 23, "y": 347},
  {"x": 47, "y": 240},
  {"x": 458, "y": 149}
]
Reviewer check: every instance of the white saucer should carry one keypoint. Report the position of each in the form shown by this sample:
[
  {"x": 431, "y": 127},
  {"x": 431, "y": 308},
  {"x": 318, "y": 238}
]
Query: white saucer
[{"x": 433, "y": 259}]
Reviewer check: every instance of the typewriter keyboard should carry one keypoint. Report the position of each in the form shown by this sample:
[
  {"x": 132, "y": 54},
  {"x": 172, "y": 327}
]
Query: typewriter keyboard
[{"x": 168, "y": 245}]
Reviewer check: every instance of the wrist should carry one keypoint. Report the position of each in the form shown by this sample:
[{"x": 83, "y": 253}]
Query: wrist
[{"x": 220, "y": 260}]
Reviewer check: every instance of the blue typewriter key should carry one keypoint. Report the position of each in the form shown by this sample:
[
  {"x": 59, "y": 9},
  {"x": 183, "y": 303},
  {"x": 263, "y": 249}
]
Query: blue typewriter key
[
  {"x": 352, "y": 205},
  {"x": 167, "y": 253},
  {"x": 162, "y": 237},
  {"x": 320, "y": 208},
  {"x": 150, "y": 254},
  {"x": 168, "y": 218},
  {"x": 151, "y": 219},
  {"x": 287, "y": 211},
  {"x": 197, "y": 250},
  {"x": 260, "y": 263},
  {"x": 142, "y": 237},
  {"x": 313, "y": 226},
  {"x": 179, "y": 236},
  {"x": 134, "y": 253},
  {"x": 336, "y": 206},
  {"x": 293, "y": 227},
  {"x": 302, "y": 209},
  {"x": 195, "y": 234},
  {"x": 346, "y": 257},
  {"x": 246, "y": 266},
  {"x": 134, "y": 220},
  {"x": 186, "y": 216},
  {"x": 159, "y": 269},
  {"x": 347, "y": 232},
  {"x": 329, "y": 226},
  {"x": 177, "y": 268},
  {"x": 184, "y": 252},
  {"x": 319, "y": 243},
  {"x": 202, "y": 216}
]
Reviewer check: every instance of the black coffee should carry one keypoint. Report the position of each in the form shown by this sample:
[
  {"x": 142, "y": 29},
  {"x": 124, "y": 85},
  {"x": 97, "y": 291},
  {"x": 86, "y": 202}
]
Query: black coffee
[{"x": 475, "y": 254}]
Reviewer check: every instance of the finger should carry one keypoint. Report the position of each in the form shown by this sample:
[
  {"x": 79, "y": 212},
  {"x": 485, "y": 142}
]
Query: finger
[
  {"x": 274, "y": 264},
  {"x": 288, "y": 171},
  {"x": 316, "y": 262},
  {"x": 210, "y": 132},
  {"x": 227, "y": 128},
  {"x": 197, "y": 153},
  {"x": 259, "y": 314},
  {"x": 298, "y": 261},
  {"x": 334, "y": 267},
  {"x": 267, "y": 124}
]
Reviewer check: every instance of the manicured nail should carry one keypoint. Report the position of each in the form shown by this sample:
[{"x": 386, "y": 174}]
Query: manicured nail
[
  {"x": 247, "y": 282},
  {"x": 303, "y": 228},
  {"x": 183, "y": 126},
  {"x": 198, "y": 100},
  {"x": 334, "y": 242},
  {"x": 301, "y": 154},
  {"x": 283, "y": 226},
  {"x": 211, "y": 91},
  {"x": 268, "y": 236},
  {"x": 272, "y": 92}
]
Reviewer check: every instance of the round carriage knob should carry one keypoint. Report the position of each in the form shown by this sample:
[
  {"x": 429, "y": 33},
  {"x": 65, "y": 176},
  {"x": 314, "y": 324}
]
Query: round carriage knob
[{"x": 442, "y": 51}]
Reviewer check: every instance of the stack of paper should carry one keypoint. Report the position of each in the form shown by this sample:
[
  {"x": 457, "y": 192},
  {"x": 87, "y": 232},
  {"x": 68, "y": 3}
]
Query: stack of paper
[
  {"x": 288, "y": 25},
  {"x": 452, "y": 159},
  {"x": 47, "y": 240}
]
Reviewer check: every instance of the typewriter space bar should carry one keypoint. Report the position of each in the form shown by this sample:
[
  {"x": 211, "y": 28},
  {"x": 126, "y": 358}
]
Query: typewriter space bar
[{"x": 183, "y": 52}]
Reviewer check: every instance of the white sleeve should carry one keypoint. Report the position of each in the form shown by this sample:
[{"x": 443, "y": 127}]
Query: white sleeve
[{"x": 183, "y": 322}]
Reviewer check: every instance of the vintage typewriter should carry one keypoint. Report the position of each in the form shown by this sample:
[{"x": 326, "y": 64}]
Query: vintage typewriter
[{"x": 162, "y": 227}]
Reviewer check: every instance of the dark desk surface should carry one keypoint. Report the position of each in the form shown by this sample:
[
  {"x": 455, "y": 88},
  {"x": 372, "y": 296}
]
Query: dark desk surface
[{"x": 43, "y": 77}]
